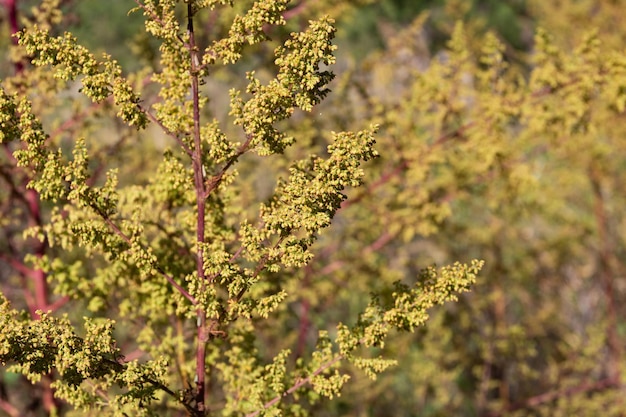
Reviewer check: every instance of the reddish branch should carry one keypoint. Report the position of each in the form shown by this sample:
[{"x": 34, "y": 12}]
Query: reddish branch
[
  {"x": 607, "y": 275},
  {"x": 298, "y": 384},
  {"x": 177, "y": 138},
  {"x": 11, "y": 410},
  {"x": 11, "y": 8},
  {"x": 161, "y": 271},
  {"x": 198, "y": 171},
  {"x": 550, "y": 396},
  {"x": 36, "y": 294},
  {"x": 295, "y": 11},
  {"x": 305, "y": 325}
]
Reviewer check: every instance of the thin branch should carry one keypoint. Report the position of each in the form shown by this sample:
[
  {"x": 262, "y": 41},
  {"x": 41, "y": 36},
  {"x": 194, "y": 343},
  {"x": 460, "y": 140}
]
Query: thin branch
[
  {"x": 375, "y": 246},
  {"x": 10, "y": 409},
  {"x": 120, "y": 366},
  {"x": 295, "y": 10},
  {"x": 297, "y": 385},
  {"x": 551, "y": 396},
  {"x": 232, "y": 259},
  {"x": 165, "y": 275},
  {"x": 168, "y": 132},
  {"x": 19, "y": 266},
  {"x": 214, "y": 181},
  {"x": 69, "y": 123},
  {"x": 259, "y": 268},
  {"x": 58, "y": 303},
  {"x": 184, "y": 248},
  {"x": 9, "y": 177},
  {"x": 304, "y": 323},
  {"x": 11, "y": 7},
  {"x": 607, "y": 274}
]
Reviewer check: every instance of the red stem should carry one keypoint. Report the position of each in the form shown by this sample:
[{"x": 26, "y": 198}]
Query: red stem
[
  {"x": 38, "y": 298},
  {"x": 11, "y": 8},
  {"x": 550, "y": 396},
  {"x": 9, "y": 409},
  {"x": 305, "y": 324},
  {"x": 607, "y": 276},
  {"x": 198, "y": 168}
]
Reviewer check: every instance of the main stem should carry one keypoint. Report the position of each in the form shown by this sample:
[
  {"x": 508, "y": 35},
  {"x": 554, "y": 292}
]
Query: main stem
[{"x": 200, "y": 205}]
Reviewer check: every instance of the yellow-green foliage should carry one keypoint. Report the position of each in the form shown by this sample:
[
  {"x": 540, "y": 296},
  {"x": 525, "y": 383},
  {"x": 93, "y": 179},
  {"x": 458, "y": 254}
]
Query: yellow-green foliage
[
  {"x": 170, "y": 262},
  {"x": 255, "y": 243}
]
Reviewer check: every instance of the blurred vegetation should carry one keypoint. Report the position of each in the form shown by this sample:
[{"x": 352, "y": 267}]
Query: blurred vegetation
[
  {"x": 501, "y": 139},
  {"x": 108, "y": 26}
]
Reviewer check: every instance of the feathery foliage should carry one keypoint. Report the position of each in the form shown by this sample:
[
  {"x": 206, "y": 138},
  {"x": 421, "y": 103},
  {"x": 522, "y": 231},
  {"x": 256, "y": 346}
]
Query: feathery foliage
[{"x": 173, "y": 264}]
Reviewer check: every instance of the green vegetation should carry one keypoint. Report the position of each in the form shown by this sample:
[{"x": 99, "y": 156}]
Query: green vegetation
[{"x": 209, "y": 222}]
